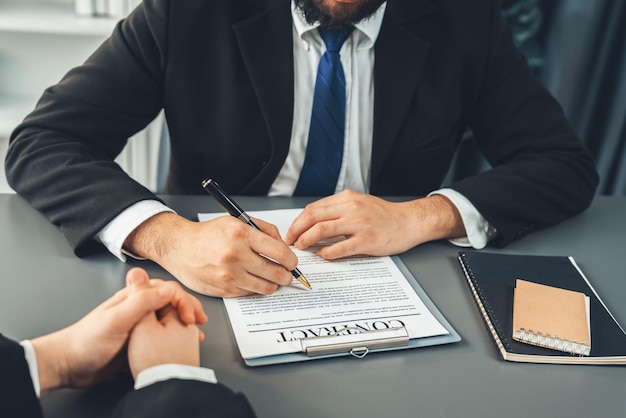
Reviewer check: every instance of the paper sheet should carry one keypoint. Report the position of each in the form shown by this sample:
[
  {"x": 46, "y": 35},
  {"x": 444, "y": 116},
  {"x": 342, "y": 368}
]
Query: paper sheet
[{"x": 363, "y": 292}]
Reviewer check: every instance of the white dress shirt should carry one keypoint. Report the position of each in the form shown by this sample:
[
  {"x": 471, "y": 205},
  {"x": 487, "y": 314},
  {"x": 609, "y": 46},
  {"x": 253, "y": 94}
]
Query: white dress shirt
[{"x": 357, "y": 58}]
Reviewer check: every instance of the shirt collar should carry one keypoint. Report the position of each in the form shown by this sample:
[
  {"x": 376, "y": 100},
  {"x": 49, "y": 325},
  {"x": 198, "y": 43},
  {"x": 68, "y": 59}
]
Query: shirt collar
[{"x": 370, "y": 27}]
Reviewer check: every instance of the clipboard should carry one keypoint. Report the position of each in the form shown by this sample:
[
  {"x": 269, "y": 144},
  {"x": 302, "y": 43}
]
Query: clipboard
[{"x": 360, "y": 343}]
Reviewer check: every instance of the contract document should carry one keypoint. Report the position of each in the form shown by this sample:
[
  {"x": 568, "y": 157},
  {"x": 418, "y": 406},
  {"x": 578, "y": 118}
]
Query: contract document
[{"x": 352, "y": 299}]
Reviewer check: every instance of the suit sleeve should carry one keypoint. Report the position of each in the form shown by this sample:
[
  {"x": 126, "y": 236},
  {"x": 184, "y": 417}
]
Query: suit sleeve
[
  {"x": 61, "y": 157},
  {"x": 542, "y": 173},
  {"x": 184, "y": 398},
  {"x": 17, "y": 395}
]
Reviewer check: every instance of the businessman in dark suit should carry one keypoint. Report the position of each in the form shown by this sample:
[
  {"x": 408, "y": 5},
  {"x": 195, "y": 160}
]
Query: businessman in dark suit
[
  {"x": 236, "y": 80},
  {"x": 144, "y": 315}
]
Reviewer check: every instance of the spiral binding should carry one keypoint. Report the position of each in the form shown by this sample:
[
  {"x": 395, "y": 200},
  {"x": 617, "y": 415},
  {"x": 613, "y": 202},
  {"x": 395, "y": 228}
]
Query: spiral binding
[
  {"x": 554, "y": 342},
  {"x": 487, "y": 313}
]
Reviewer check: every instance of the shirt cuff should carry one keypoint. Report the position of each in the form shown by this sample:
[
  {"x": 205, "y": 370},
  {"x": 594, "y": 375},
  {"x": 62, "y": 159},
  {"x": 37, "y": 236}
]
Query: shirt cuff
[
  {"x": 113, "y": 235},
  {"x": 31, "y": 360},
  {"x": 478, "y": 230},
  {"x": 174, "y": 371}
]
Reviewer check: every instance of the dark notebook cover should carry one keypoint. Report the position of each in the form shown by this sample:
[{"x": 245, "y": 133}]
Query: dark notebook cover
[{"x": 491, "y": 277}]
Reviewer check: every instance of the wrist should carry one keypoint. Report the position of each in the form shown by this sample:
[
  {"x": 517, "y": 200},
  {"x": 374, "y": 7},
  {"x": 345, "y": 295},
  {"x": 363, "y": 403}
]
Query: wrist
[
  {"x": 157, "y": 235},
  {"x": 184, "y": 353},
  {"x": 52, "y": 366},
  {"x": 435, "y": 217}
]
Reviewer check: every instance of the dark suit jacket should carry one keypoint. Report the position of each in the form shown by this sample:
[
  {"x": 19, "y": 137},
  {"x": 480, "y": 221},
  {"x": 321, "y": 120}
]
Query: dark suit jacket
[
  {"x": 17, "y": 394},
  {"x": 170, "y": 398},
  {"x": 223, "y": 72}
]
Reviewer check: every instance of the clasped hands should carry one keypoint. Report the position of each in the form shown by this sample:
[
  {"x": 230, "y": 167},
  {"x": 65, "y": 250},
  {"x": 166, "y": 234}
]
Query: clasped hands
[{"x": 148, "y": 323}]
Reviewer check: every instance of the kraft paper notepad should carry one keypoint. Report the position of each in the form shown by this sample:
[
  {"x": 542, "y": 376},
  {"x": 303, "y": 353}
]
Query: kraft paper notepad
[{"x": 551, "y": 317}]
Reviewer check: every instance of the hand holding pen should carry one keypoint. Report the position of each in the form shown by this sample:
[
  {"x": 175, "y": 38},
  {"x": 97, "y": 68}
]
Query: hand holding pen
[{"x": 233, "y": 209}]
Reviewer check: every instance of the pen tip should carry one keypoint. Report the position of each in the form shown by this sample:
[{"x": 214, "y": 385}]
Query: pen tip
[{"x": 304, "y": 281}]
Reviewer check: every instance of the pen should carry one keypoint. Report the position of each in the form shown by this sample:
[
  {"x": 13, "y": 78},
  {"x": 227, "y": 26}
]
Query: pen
[{"x": 233, "y": 209}]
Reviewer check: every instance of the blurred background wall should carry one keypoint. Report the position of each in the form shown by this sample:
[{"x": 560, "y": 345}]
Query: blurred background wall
[{"x": 577, "y": 48}]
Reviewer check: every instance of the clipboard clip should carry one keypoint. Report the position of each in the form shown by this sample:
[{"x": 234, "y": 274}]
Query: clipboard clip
[{"x": 354, "y": 341}]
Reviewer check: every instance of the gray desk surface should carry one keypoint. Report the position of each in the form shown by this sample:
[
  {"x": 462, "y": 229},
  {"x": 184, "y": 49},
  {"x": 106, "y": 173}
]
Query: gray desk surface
[{"x": 45, "y": 287}]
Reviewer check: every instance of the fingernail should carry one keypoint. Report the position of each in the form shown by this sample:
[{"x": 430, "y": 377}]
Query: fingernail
[{"x": 134, "y": 277}]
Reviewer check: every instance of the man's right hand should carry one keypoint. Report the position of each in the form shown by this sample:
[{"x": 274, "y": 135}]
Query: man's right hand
[{"x": 220, "y": 257}]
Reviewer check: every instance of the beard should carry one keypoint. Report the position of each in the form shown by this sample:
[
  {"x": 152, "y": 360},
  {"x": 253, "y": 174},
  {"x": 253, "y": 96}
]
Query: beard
[{"x": 333, "y": 15}]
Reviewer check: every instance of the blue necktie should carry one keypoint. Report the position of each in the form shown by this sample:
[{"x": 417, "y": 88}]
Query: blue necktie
[{"x": 324, "y": 150}]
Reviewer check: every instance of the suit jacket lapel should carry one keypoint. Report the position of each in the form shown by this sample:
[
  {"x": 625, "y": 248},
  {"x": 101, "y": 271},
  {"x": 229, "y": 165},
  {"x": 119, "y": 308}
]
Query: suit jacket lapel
[
  {"x": 266, "y": 43},
  {"x": 400, "y": 58}
]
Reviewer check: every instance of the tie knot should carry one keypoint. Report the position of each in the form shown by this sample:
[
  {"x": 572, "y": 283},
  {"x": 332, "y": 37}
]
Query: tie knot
[{"x": 334, "y": 38}]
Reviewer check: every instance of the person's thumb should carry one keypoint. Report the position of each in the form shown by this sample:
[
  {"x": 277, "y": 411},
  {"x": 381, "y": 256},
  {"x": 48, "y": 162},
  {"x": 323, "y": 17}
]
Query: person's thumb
[{"x": 137, "y": 278}]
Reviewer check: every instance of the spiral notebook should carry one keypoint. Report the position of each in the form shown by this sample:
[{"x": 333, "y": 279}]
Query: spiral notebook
[{"x": 492, "y": 279}]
